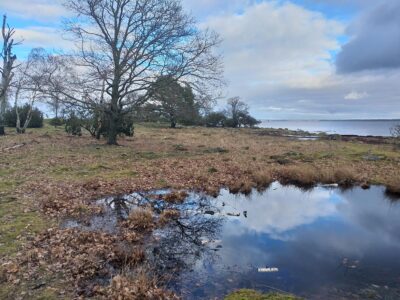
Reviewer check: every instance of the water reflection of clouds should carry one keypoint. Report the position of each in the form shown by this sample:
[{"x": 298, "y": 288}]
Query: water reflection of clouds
[
  {"x": 279, "y": 210},
  {"x": 372, "y": 215},
  {"x": 306, "y": 235},
  {"x": 325, "y": 226}
]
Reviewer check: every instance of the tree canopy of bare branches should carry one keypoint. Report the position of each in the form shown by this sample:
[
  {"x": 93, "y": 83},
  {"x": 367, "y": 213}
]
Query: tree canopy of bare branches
[
  {"x": 235, "y": 108},
  {"x": 123, "y": 46}
]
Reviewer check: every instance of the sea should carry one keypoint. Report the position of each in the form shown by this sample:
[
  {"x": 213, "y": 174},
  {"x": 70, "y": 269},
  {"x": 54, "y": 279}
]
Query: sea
[{"x": 343, "y": 127}]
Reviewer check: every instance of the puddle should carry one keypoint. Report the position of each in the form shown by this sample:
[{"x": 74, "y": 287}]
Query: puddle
[{"x": 320, "y": 244}]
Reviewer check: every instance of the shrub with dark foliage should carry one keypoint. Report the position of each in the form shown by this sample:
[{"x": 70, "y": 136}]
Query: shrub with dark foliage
[
  {"x": 245, "y": 120},
  {"x": 73, "y": 125},
  {"x": 10, "y": 117},
  {"x": 57, "y": 122},
  {"x": 215, "y": 119}
]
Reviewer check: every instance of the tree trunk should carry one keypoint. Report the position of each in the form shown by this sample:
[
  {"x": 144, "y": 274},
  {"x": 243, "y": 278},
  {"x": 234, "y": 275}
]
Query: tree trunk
[
  {"x": 112, "y": 130},
  {"x": 18, "y": 124},
  {"x": 173, "y": 121},
  {"x": 2, "y": 109},
  {"x": 114, "y": 113},
  {"x": 98, "y": 134},
  {"x": 28, "y": 120}
]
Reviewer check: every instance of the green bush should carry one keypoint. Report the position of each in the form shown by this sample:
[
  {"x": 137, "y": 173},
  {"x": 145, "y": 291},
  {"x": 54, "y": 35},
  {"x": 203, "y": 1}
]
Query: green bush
[
  {"x": 57, "y": 122},
  {"x": 10, "y": 117},
  {"x": 229, "y": 122},
  {"x": 73, "y": 125},
  {"x": 245, "y": 120},
  {"x": 215, "y": 119}
]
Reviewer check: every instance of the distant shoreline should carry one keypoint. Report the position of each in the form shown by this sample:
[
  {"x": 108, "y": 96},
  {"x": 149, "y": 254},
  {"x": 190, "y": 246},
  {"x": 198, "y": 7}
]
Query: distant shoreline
[{"x": 371, "y": 127}]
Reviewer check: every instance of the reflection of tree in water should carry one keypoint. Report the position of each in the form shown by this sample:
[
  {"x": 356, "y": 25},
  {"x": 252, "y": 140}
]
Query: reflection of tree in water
[
  {"x": 120, "y": 207},
  {"x": 184, "y": 241},
  {"x": 177, "y": 246}
]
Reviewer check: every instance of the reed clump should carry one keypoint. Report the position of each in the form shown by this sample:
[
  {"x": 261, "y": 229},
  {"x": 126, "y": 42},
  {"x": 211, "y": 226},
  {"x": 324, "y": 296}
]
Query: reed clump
[
  {"x": 176, "y": 197},
  {"x": 245, "y": 187},
  {"x": 139, "y": 286},
  {"x": 262, "y": 179},
  {"x": 167, "y": 216},
  {"x": 140, "y": 220},
  {"x": 303, "y": 176},
  {"x": 393, "y": 188},
  {"x": 345, "y": 176}
]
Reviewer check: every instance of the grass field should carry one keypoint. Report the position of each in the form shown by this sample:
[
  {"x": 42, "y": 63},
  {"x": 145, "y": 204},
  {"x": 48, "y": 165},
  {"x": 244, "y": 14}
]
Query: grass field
[{"x": 46, "y": 176}]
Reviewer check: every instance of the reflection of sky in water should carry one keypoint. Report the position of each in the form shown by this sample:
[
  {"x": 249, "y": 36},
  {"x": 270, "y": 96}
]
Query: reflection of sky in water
[
  {"x": 306, "y": 235},
  {"x": 279, "y": 211}
]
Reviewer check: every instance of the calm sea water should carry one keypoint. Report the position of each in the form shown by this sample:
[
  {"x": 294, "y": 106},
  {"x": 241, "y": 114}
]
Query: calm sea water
[{"x": 356, "y": 127}]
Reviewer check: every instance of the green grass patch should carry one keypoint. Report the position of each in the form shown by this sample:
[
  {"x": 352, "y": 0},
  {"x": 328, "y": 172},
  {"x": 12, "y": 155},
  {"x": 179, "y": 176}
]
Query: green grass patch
[
  {"x": 254, "y": 295},
  {"x": 16, "y": 223}
]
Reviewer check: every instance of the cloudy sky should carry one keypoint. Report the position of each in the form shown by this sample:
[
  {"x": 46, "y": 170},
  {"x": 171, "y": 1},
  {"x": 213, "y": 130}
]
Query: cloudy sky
[{"x": 293, "y": 59}]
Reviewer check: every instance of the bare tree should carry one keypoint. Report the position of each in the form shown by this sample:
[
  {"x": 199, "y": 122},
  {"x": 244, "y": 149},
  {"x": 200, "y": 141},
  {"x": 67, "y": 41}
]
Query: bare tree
[
  {"x": 126, "y": 45},
  {"x": 6, "y": 70},
  {"x": 29, "y": 79},
  {"x": 236, "y": 108},
  {"x": 55, "y": 105}
]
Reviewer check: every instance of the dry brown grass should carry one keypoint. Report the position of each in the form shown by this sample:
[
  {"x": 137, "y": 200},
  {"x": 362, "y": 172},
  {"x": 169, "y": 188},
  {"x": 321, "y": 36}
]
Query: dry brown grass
[
  {"x": 309, "y": 176},
  {"x": 140, "y": 219},
  {"x": 346, "y": 176},
  {"x": 341, "y": 175},
  {"x": 262, "y": 179},
  {"x": 167, "y": 216},
  {"x": 137, "y": 286},
  {"x": 393, "y": 188},
  {"x": 298, "y": 175},
  {"x": 128, "y": 257},
  {"x": 176, "y": 197}
]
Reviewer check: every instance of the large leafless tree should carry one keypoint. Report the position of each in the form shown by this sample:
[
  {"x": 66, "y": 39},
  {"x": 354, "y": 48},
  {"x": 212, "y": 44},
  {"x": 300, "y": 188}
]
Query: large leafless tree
[
  {"x": 123, "y": 46},
  {"x": 6, "y": 70}
]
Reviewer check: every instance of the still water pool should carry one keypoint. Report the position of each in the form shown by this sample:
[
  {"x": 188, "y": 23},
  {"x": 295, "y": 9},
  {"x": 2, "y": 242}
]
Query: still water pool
[
  {"x": 323, "y": 243},
  {"x": 326, "y": 243}
]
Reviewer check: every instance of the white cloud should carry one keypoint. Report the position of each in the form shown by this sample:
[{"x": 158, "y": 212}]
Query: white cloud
[
  {"x": 273, "y": 108},
  {"x": 356, "y": 95},
  {"x": 38, "y": 10},
  {"x": 272, "y": 44},
  {"x": 45, "y": 37}
]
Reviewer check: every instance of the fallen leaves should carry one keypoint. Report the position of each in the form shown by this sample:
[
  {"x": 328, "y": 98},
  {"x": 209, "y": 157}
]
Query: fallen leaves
[{"x": 138, "y": 287}]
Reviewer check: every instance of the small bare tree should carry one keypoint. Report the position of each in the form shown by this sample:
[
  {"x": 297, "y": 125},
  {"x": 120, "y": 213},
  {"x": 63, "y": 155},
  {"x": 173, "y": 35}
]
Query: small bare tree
[
  {"x": 6, "y": 70},
  {"x": 236, "y": 108},
  {"x": 29, "y": 79},
  {"x": 124, "y": 46},
  {"x": 55, "y": 105}
]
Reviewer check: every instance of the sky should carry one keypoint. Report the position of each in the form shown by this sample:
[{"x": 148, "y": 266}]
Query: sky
[{"x": 287, "y": 59}]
